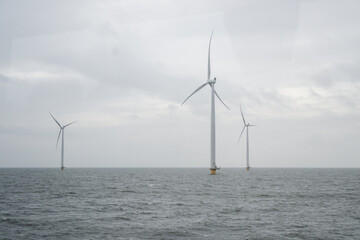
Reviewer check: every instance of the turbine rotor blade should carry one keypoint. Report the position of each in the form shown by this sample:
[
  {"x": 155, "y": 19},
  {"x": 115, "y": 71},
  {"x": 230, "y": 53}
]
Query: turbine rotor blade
[
  {"x": 58, "y": 138},
  {"x": 242, "y": 115},
  {"x": 203, "y": 85},
  {"x": 209, "y": 68},
  {"x": 250, "y": 125},
  {"x": 221, "y": 100},
  {"x": 70, "y": 124},
  {"x": 55, "y": 120},
  {"x": 241, "y": 134}
]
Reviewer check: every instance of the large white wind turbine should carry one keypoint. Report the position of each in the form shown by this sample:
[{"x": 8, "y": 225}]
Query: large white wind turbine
[
  {"x": 211, "y": 83},
  {"x": 246, "y": 125},
  {"x": 62, "y": 128}
]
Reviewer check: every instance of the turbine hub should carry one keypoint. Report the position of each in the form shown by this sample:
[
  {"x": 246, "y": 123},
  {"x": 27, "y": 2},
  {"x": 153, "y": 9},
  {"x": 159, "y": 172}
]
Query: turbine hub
[{"x": 212, "y": 80}]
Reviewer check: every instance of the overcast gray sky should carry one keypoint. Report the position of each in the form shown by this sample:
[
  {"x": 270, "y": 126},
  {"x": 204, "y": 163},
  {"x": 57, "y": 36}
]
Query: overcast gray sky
[{"x": 123, "y": 68}]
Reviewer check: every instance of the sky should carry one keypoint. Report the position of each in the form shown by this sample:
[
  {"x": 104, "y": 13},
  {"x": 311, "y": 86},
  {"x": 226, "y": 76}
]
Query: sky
[{"x": 123, "y": 68}]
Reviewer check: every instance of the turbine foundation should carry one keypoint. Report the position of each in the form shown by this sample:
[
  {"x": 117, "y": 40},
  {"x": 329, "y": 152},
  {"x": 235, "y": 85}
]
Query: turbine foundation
[
  {"x": 247, "y": 168},
  {"x": 62, "y": 168},
  {"x": 212, "y": 171}
]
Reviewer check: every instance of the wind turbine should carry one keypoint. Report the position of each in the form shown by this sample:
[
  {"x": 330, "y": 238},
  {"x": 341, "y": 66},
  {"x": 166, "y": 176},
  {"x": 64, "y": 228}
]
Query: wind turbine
[
  {"x": 211, "y": 83},
  {"x": 62, "y": 128},
  {"x": 246, "y": 125}
]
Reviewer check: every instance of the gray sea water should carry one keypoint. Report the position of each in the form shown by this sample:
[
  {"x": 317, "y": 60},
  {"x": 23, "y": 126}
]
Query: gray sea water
[{"x": 179, "y": 204}]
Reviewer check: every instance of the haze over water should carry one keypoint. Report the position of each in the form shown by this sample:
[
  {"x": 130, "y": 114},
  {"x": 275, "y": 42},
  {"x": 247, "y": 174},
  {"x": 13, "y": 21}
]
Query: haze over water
[{"x": 179, "y": 204}]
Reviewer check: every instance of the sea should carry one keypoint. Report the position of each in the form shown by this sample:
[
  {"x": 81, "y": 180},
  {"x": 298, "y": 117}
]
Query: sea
[{"x": 179, "y": 203}]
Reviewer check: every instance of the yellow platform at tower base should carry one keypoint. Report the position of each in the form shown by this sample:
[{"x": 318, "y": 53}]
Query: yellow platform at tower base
[
  {"x": 248, "y": 168},
  {"x": 213, "y": 170}
]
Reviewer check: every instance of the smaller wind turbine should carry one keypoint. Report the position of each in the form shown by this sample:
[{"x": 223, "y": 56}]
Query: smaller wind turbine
[
  {"x": 246, "y": 125},
  {"x": 62, "y": 128}
]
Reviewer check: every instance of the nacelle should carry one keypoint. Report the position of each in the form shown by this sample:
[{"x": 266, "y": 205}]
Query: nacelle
[{"x": 212, "y": 80}]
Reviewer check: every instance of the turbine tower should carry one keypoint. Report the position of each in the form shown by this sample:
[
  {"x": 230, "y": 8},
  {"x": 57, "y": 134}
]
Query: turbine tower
[
  {"x": 62, "y": 128},
  {"x": 211, "y": 83},
  {"x": 246, "y": 125}
]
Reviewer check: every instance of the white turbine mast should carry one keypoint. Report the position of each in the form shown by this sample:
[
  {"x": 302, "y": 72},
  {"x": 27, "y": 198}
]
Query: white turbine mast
[
  {"x": 62, "y": 128},
  {"x": 211, "y": 83},
  {"x": 246, "y": 125}
]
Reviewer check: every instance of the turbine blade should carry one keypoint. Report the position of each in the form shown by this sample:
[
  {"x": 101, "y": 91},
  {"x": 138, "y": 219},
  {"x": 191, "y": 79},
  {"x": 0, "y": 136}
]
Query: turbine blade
[
  {"x": 209, "y": 68},
  {"x": 58, "y": 138},
  {"x": 242, "y": 115},
  {"x": 221, "y": 100},
  {"x": 70, "y": 124},
  {"x": 55, "y": 120},
  {"x": 203, "y": 85},
  {"x": 250, "y": 125},
  {"x": 241, "y": 134}
]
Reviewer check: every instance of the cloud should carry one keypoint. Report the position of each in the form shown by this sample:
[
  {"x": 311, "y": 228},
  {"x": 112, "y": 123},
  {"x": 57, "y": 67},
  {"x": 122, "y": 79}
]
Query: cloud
[{"x": 122, "y": 69}]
